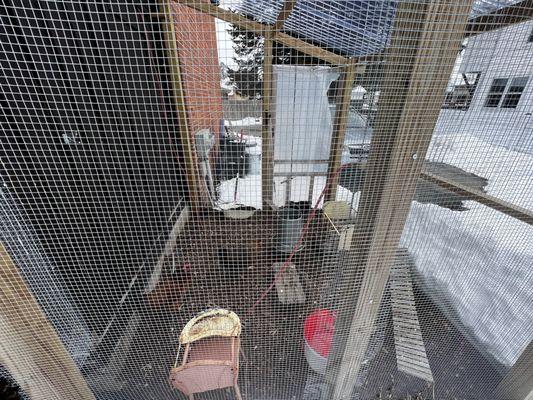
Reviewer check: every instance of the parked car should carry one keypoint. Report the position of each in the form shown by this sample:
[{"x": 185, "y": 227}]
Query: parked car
[{"x": 357, "y": 139}]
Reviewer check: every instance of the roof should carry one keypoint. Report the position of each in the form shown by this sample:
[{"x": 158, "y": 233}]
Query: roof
[{"x": 349, "y": 27}]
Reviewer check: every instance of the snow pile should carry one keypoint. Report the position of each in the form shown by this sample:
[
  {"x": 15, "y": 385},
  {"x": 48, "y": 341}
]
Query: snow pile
[
  {"x": 479, "y": 261},
  {"x": 510, "y": 173},
  {"x": 248, "y": 121}
]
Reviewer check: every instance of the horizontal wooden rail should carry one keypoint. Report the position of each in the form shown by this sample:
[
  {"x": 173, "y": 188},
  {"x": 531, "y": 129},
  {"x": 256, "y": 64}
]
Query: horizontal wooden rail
[
  {"x": 505, "y": 207},
  {"x": 259, "y": 28}
]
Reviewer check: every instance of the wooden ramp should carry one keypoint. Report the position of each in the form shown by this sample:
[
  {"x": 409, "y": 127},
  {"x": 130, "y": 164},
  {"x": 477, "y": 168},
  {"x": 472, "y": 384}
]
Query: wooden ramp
[{"x": 410, "y": 350}]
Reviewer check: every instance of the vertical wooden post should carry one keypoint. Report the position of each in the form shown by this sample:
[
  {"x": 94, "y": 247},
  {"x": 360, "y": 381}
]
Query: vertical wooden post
[
  {"x": 340, "y": 122},
  {"x": 29, "y": 346},
  {"x": 426, "y": 38},
  {"x": 267, "y": 164},
  {"x": 517, "y": 384},
  {"x": 179, "y": 101}
]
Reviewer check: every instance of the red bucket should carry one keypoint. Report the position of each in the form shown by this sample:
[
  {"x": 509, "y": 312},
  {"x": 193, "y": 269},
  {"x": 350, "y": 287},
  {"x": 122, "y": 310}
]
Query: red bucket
[{"x": 319, "y": 327}]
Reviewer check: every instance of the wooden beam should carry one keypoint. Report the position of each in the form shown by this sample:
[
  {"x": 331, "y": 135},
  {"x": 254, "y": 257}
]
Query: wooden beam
[
  {"x": 506, "y": 16},
  {"x": 29, "y": 346},
  {"x": 179, "y": 102},
  {"x": 267, "y": 163},
  {"x": 517, "y": 384},
  {"x": 288, "y": 6},
  {"x": 505, "y": 207},
  {"x": 340, "y": 122},
  {"x": 259, "y": 28},
  {"x": 426, "y": 37}
]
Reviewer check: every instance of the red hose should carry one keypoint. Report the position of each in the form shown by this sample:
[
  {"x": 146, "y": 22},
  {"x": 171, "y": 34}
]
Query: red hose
[{"x": 285, "y": 265}]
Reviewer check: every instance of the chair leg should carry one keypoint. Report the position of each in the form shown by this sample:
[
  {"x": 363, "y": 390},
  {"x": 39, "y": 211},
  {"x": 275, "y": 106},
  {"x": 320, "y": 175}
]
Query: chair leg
[{"x": 237, "y": 392}]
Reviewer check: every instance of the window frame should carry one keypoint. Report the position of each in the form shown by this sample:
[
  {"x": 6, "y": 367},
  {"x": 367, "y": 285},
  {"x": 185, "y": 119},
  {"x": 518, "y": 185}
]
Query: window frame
[
  {"x": 514, "y": 92},
  {"x": 493, "y": 95}
]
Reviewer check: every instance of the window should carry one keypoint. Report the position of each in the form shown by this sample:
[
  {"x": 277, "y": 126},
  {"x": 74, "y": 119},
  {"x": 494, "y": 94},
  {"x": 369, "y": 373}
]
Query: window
[
  {"x": 512, "y": 97},
  {"x": 530, "y": 38},
  {"x": 461, "y": 94},
  {"x": 496, "y": 92}
]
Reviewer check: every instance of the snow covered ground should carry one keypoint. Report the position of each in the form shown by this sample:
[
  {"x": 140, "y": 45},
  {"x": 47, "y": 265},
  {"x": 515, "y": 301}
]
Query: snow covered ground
[
  {"x": 477, "y": 262},
  {"x": 480, "y": 261}
]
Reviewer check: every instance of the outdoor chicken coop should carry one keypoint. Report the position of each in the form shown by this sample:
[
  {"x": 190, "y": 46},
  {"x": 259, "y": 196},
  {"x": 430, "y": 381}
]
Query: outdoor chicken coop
[{"x": 266, "y": 199}]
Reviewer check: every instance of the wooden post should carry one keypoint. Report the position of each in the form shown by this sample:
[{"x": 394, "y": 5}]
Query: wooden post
[
  {"x": 426, "y": 38},
  {"x": 517, "y": 384},
  {"x": 288, "y": 6},
  {"x": 340, "y": 122},
  {"x": 267, "y": 164},
  {"x": 29, "y": 346},
  {"x": 179, "y": 101}
]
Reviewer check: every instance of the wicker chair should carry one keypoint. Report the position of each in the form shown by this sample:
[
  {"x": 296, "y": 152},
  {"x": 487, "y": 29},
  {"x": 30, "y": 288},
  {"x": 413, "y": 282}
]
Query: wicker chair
[{"x": 211, "y": 357}]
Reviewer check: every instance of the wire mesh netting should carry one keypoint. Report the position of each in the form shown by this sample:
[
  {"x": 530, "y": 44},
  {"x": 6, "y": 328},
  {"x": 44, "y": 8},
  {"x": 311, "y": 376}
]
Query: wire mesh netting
[{"x": 266, "y": 199}]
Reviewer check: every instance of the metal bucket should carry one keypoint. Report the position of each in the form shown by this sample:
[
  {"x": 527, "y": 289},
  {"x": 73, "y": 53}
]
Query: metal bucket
[{"x": 290, "y": 225}]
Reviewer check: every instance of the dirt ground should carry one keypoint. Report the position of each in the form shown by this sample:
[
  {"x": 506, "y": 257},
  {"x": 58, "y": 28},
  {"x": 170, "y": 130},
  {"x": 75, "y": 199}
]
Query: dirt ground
[{"x": 273, "y": 365}]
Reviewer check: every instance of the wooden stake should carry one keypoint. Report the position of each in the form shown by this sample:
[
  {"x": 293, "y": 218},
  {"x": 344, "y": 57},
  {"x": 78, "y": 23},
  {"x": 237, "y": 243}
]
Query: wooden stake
[
  {"x": 179, "y": 102},
  {"x": 267, "y": 164},
  {"x": 29, "y": 346},
  {"x": 426, "y": 37}
]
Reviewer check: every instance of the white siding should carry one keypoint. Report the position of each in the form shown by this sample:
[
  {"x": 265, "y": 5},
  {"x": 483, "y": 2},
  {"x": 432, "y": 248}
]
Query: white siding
[{"x": 504, "y": 53}]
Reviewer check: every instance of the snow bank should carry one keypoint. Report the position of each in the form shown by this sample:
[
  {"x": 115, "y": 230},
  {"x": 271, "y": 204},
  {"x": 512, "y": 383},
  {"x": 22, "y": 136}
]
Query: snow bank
[{"x": 479, "y": 263}]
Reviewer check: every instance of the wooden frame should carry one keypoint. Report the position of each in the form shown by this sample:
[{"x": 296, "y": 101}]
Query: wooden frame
[
  {"x": 425, "y": 34},
  {"x": 259, "y": 28},
  {"x": 179, "y": 101},
  {"x": 267, "y": 158},
  {"x": 513, "y": 14},
  {"x": 29, "y": 346}
]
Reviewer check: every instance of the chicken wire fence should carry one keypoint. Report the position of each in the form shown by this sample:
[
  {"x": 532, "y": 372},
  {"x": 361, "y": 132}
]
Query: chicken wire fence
[{"x": 353, "y": 179}]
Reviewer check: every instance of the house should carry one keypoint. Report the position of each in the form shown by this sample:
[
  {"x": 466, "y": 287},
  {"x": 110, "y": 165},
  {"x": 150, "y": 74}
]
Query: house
[{"x": 494, "y": 100}]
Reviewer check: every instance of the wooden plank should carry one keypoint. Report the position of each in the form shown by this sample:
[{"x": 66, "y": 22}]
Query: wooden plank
[
  {"x": 513, "y": 14},
  {"x": 405, "y": 322},
  {"x": 339, "y": 127},
  {"x": 288, "y": 286},
  {"x": 267, "y": 160},
  {"x": 505, "y": 207},
  {"x": 259, "y": 28},
  {"x": 517, "y": 384},
  {"x": 288, "y": 6},
  {"x": 171, "y": 47},
  {"x": 495, "y": 203},
  {"x": 424, "y": 44},
  {"x": 29, "y": 346}
]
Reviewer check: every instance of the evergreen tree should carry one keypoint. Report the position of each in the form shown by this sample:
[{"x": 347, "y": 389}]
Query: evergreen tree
[{"x": 247, "y": 77}]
